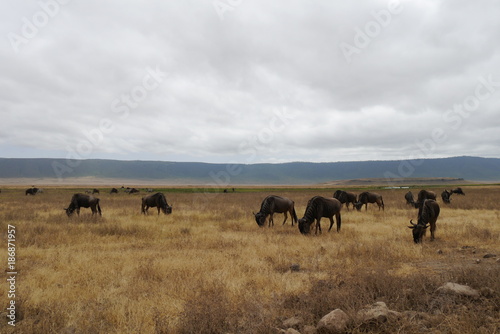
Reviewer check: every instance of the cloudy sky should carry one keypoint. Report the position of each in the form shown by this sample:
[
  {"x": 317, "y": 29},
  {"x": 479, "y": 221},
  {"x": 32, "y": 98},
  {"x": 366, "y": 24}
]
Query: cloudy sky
[{"x": 250, "y": 81}]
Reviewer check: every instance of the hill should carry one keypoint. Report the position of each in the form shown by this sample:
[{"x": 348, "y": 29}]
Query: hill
[{"x": 294, "y": 173}]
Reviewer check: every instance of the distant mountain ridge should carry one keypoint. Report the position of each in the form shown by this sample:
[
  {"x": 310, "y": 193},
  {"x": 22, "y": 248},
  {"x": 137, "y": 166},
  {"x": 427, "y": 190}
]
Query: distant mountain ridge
[{"x": 468, "y": 168}]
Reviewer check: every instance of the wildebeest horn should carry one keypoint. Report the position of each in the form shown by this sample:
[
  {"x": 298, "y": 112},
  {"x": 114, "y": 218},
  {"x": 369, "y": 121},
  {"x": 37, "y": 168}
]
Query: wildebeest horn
[{"x": 411, "y": 222}]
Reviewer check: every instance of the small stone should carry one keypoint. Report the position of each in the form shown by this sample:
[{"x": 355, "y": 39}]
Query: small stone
[
  {"x": 293, "y": 322},
  {"x": 458, "y": 289},
  {"x": 440, "y": 251},
  {"x": 334, "y": 322},
  {"x": 478, "y": 261},
  {"x": 489, "y": 255},
  {"x": 295, "y": 267}
]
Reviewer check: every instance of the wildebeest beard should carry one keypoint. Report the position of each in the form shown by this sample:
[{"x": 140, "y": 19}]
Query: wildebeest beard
[
  {"x": 260, "y": 218},
  {"x": 304, "y": 226}
]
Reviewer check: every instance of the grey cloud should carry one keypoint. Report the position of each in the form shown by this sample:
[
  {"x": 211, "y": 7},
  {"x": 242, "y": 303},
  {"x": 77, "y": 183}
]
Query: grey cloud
[{"x": 224, "y": 80}]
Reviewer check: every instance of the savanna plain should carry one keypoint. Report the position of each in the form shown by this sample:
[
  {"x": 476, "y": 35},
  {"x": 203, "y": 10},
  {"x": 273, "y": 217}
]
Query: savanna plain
[{"x": 209, "y": 268}]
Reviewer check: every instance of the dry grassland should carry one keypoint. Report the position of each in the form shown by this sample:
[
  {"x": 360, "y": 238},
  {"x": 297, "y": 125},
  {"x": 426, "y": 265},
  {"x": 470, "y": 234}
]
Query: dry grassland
[{"x": 208, "y": 267}]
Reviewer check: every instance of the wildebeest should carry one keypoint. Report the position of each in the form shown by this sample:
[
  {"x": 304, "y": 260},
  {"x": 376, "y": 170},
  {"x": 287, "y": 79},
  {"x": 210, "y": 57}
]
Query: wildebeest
[
  {"x": 458, "y": 191},
  {"x": 345, "y": 197},
  {"x": 83, "y": 201},
  {"x": 429, "y": 215},
  {"x": 446, "y": 196},
  {"x": 95, "y": 191},
  {"x": 31, "y": 191},
  {"x": 368, "y": 197},
  {"x": 409, "y": 198},
  {"x": 157, "y": 200},
  {"x": 317, "y": 208},
  {"x": 113, "y": 191},
  {"x": 275, "y": 204},
  {"x": 132, "y": 191},
  {"x": 422, "y": 196}
]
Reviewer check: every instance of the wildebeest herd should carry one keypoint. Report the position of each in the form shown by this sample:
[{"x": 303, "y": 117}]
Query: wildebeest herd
[
  {"x": 320, "y": 207},
  {"x": 317, "y": 207}
]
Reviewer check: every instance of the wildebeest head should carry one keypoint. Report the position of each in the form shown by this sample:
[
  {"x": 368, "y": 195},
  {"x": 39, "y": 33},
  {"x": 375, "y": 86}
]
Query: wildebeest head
[
  {"x": 167, "y": 209},
  {"x": 418, "y": 231},
  {"x": 260, "y": 218},
  {"x": 69, "y": 211},
  {"x": 358, "y": 205},
  {"x": 304, "y": 226}
]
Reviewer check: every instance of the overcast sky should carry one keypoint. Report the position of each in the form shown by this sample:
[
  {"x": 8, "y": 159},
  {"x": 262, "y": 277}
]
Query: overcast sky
[{"x": 249, "y": 81}]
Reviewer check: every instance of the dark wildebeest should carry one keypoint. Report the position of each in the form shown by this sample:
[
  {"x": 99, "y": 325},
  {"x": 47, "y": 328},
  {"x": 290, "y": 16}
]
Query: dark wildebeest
[
  {"x": 95, "y": 191},
  {"x": 458, "y": 191},
  {"x": 157, "y": 200},
  {"x": 409, "y": 198},
  {"x": 113, "y": 191},
  {"x": 83, "y": 201},
  {"x": 345, "y": 197},
  {"x": 429, "y": 215},
  {"x": 317, "y": 208},
  {"x": 368, "y": 197},
  {"x": 446, "y": 196},
  {"x": 422, "y": 196},
  {"x": 132, "y": 191},
  {"x": 31, "y": 191},
  {"x": 275, "y": 204}
]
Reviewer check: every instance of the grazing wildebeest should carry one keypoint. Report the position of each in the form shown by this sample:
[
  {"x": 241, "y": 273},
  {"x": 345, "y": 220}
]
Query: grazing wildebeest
[
  {"x": 83, "y": 201},
  {"x": 132, "y": 191},
  {"x": 95, "y": 191},
  {"x": 345, "y": 197},
  {"x": 422, "y": 196},
  {"x": 113, "y": 191},
  {"x": 458, "y": 191},
  {"x": 275, "y": 204},
  {"x": 429, "y": 215},
  {"x": 446, "y": 196},
  {"x": 157, "y": 200},
  {"x": 31, "y": 191},
  {"x": 368, "y": 197},
  {"x": 317, "y": 208},
  {"x": 409, "y": 198},
  {"x": 149, "y": 190}
]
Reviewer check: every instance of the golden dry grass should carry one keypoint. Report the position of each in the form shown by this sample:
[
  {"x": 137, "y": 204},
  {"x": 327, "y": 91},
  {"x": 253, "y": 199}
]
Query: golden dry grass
[{"x": 208, "y": 267}]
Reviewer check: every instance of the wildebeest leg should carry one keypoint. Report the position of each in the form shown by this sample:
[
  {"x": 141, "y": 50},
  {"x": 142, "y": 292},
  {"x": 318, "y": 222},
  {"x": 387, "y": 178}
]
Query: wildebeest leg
[
  {"x": 366, "y": 206},
  {"x": 339, "y": 221},
  {"x": 158, "y": 210},
  {"x": 318, "y": 225},
  {"x": 331, "y": 223},
  {"x": 271, "y": 220},
  {"x": 286, "y": 217},
  {"x": 433, "y": 228},
  {"x": 78, "y": 210}
]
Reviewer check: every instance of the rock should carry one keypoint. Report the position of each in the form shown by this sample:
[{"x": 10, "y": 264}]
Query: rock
[
  {"x": 334, "y": 322},
  {"x": 309, "y": 330},
  {"x": 458, "y": 289},
  {"x": 440, "y": 251},
  {"x": 377, "y": 312},
  {"x": 295, "y": 267},
  {"x": 293, "y": 322},
  {"x": 489, "y": 255},
  {"x": 478, "y": 261}
]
